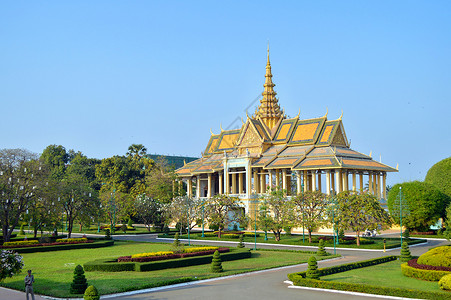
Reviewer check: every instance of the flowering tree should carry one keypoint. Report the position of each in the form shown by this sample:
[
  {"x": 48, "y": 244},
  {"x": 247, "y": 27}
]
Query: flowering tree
[
  {"x": 282, "y": 210},
  {"x": 10, "y": 264},
  {"x": 184, "y": 210},
  {"x": 222, "y": 210},
  {"x": 148, "y": 210}
]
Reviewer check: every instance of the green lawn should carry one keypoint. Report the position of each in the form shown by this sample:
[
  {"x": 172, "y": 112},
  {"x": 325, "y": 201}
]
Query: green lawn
[
  {"x": 54, "y": 270},
  {"x": 298, "y": 241},
  {"x": 386, "y": 274}
]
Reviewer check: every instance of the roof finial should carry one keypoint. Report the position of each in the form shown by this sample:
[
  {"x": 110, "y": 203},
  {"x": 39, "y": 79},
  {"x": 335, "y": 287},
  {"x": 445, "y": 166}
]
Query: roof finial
[
  {"x": 211, "y": 132},
  {"x": 299, "y": 113},
  {"x": 268, "y": 52},
  {"x": 327, "y": 111},
  {"x": 220, "y": 126},
  {"x": 341, "y": 117}
]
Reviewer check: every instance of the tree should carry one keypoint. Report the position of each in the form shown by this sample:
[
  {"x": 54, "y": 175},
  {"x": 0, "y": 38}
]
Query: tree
[
  {"x": 183, "y": 210},
  {"x": 91, "y": 293},
  {"x": 359, "y": 212},
  {"x": 159, "y": 180},
  {"x": 21, "y": 178},
  {"x": 136, "y": 150},
  {"x": 216, "y": 264},
  {"x": 311, "y": 211},
  {"x": 148, "y": 210},
  {"x": 405, "y": 252},
  {"x": 56, "y": 158},
  {"x": 440, "y": 176},
  {"x": 312, "y": 269},
  {"x": 10, "y": 264},
  {"x": 282, "y": 211},
  {"x": 241, "y": 241},
  {"x": 222, "y": 210},
  {"x": 425, "y": 203},
  {"x": 79, "y": 284},
  {"x": 321, "y": 251}
]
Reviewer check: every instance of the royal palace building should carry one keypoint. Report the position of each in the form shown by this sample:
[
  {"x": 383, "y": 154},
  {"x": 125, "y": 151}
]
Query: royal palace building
[{"x": 271, "y": 150}]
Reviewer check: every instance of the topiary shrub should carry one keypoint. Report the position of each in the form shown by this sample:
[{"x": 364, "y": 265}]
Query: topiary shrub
[
  {"x": 79, "y": 284},
  {"x": 241, "y": 243},
  {"x": 124, "y": 228},
  {"x": 440, "y": 257},
  {"x": 405, "y": 252},
  {"x": 107, "y": 234},
  {"x": 91, "y": 293},
  {"x": 406, "y": 233},
  {"x": 445, "y": 282},
  {"x": 341, "y": 234},
  {"x": 21, "y": 232},
  {"x": 176, "y": 246},
  {"x": 312, "y": 270},
  {"x": 440, "y": 176},
  {"x": 321, "y": 251},
  {"x": 216, "y": 264}
]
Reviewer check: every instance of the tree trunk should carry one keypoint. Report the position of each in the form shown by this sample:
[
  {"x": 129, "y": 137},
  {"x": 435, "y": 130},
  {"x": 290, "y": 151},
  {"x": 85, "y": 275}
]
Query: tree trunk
[
  {"x": 219, "y": 233},
  {"x": 358, "y": 238},
  {"x": 309, "y": 236},
  {"x": 277, "y": 235}
]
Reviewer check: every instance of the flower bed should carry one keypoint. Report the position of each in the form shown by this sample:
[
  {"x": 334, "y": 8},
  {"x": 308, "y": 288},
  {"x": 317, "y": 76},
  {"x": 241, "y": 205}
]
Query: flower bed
[
  {"x": 34, "y": 243},
  {"x": 414, "y": 264},
  {"x": 164, "y": 255}
]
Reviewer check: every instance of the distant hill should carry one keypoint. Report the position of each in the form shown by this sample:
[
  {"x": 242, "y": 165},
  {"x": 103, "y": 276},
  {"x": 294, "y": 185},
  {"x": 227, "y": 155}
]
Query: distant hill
[{"x": 175, "y": 161}]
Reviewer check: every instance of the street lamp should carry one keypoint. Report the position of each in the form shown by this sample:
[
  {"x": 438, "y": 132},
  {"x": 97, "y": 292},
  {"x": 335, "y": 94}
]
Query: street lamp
[
  {"x": 98, "y": 218},
  {"x": 203, "y": 204},
  {"x": 187, "y": 219},
  {"x": 333, "y": 220},
  {"x": 303, "y": 224}
]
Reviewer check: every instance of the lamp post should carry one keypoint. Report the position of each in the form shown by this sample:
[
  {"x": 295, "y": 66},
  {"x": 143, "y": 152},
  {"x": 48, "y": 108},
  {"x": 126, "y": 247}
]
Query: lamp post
[
  {"x": 303, "y": 225},
  {"x": 203, "y": 209},
  {"x": 187, "y": 219},
  {"x": 400, "y": 210},
  {"x": 255, "y": 224},
  {"x": 98, "y": 218},
  {"x": 333, "y": 221}
]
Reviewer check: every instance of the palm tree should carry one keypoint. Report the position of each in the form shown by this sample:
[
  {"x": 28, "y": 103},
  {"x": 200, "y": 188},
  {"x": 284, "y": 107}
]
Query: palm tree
[{"x": 137, "y": 150}]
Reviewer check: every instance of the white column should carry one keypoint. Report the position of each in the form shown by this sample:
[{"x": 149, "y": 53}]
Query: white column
[
  {"x": 313, "y": 180},
  {"x": 305, "y": 181},
  {"x": 284, "y": 179},
  {"x": 221, "y": 185},
  {"x": 298, "y": 182},
  {"x": 328, "y": 182},
  {"x": 198, "y": 187},
  {"x": 248, "y": 181},
  {"x": 338, "y": 181},
  {"x": 361, "y": 181},
  {"x": 384, "y": 185},
  {"x": 354, "y": 183},
  {"x": 240, "y": 183},
  {"x": 209, "y": 186}
]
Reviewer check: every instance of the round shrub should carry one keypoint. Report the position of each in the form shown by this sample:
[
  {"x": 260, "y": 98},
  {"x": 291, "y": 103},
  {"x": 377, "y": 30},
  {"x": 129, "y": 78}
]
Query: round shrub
[
  {"x": 445, "y": 282},
  {"x": 440, "y": 176},
  {"x": 91, "y": 293},
  {"x": 440, "y": 257}
]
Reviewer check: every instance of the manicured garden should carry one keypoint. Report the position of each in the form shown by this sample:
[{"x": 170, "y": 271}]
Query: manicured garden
[
  {"x": 298, "y": 240},
  {"x": 54, "y": 278}
]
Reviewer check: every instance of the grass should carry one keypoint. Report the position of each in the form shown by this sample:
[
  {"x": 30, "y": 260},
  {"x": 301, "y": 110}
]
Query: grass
[
  {"x": 386, "y": 274},
  {"x": 54, "y": 270},
  {"x": 298, "y": 241}
]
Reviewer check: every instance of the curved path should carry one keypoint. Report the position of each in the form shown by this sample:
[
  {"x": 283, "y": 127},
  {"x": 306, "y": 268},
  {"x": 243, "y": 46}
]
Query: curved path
[{"x": 268, "y": 284}]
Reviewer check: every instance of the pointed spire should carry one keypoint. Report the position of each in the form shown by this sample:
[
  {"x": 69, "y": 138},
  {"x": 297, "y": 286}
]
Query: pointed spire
[{"x": 269, "y": 109}]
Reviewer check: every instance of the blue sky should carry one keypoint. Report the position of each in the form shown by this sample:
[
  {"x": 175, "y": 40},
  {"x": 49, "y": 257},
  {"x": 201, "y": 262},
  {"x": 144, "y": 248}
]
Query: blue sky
[{"x": 97, "y": 76}]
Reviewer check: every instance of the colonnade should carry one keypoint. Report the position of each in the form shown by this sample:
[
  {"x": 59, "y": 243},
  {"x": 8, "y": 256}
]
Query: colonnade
[{"x": 245, "y": 181}]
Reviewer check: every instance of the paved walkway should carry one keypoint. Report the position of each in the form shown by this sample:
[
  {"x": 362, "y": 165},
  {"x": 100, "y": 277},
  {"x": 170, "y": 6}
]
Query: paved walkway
[{"x": 267, "y": 284}]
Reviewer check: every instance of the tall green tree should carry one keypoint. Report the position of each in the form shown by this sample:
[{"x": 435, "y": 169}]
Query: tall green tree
[
  {"x": 21, "y": 178},
  {"x": 311, "y": 209},
  {"x": 359, "y": 212},
  {"x": 426, "y": 204},
  {"x": 282, "y": 211}
]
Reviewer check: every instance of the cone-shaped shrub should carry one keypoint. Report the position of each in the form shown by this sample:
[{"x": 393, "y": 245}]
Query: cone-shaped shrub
[
  {"x": 406, "y": 234},
  {"x": 321, "y": 251},
  {"x": 241, "y": 243},
  {"x": 91, "y": 293},
  {"x": 312, "y": 270},
  {"x": 79, "y": 284},
  {"x": 177, "y": 247},
  {"x": 216, "y": 264},
  {"x": 21, "y": 232},
  {"x": 405, "y": 252}
]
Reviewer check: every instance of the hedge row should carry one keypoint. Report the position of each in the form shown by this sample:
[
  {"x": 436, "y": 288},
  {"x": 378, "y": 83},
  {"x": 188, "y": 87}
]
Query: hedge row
[
  {"x": 20, "y": 243},
  {"x": 346, "y": 267},
  {"x": 414, "y": 264},
  {"x": 170, "y": 256},
  {"x": 110, "y": 265},
  {"x": 64, "y": 246},
  {"x": 423, "y": 274},
  {"x": 370, "y": 289}
]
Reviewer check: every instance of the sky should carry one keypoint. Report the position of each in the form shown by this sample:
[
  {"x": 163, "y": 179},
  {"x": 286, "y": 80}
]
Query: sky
[{"x": 98, "y": 76}]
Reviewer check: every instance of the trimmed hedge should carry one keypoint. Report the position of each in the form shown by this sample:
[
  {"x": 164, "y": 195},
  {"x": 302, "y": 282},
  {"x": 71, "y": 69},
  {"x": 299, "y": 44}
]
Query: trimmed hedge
[
  {"x": 428, "y": 275},
  {"x": 370, "y": 289},
  {"x": 111, "y": 265},
  {"x": 414, "y": 264},
  {"x": 20, "y": 243},
  {"x": 170, "y": 255},
  {"x": 64, "y": 246},
  {"x": 445, "y": 282},
  {"x": 345, "y": 267},
  {"x": 439, "y": 256}
]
